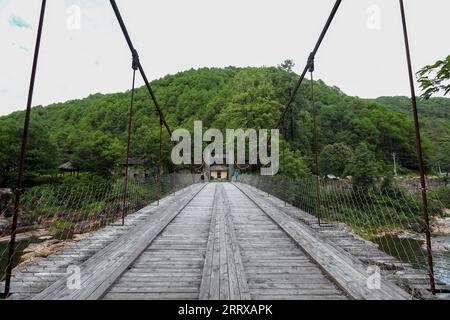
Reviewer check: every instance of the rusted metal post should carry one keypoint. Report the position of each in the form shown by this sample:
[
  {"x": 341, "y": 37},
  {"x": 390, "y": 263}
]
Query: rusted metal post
[
  {"x": 426, "y": 217},
  {"x": 160, "y": 160},
  {"x": 23, "y": 151},
  {"x": 130, "y": 124},
  {"x": 315, "y": 146}
]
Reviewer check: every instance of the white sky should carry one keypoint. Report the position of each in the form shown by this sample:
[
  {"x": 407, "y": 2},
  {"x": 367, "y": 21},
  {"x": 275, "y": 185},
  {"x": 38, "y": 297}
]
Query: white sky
[{"x": 176, "y": 35}]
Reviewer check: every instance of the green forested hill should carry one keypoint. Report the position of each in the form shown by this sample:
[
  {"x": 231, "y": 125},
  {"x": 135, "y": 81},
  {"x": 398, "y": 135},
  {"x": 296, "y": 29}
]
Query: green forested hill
[
  {"x": 435, "y": 124},
  {"x": 92, "y": 132}
]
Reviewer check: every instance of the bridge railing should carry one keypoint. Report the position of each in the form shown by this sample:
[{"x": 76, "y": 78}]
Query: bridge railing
[
  {"x": 388, "y": 215},
  {"x": 55, "y": 216}
]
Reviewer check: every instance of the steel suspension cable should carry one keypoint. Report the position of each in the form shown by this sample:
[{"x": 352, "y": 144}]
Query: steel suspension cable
[
  {"x": 312, "y": 56},
  {"x": 141, "y": 69},
  {"x": 426, "y": 217},
  {"x": 23, "y": 151}
]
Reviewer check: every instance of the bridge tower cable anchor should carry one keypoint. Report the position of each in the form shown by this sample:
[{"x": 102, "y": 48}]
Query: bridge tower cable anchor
[
  {"x": 419, "y": 152},
  {"x": 23, "y": 152}
]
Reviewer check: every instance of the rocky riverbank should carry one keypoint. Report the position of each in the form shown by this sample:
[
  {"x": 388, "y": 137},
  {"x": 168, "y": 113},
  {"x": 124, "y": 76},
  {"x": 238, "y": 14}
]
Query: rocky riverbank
[
  {"x": 440, "y": 228},
  {"x": 48, "y": 246}
]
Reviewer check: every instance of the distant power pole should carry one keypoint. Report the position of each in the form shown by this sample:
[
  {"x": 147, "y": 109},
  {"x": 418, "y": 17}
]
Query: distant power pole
[{"x": 395, "y": 163}]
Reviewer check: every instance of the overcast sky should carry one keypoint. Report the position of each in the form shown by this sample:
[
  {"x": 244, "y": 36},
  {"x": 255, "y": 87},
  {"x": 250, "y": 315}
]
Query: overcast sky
[{"x": 363, "y": 53}]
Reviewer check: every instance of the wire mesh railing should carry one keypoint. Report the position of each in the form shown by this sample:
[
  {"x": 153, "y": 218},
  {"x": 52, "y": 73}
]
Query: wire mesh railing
[
  {"x": 66, "y": 213},
  {"x": 389, "y": 216}
]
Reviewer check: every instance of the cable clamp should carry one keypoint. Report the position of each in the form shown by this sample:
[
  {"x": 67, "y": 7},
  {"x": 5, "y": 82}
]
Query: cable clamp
[
  {"x": 311, "y": 62},
  {"x": 135, "y": 63}
]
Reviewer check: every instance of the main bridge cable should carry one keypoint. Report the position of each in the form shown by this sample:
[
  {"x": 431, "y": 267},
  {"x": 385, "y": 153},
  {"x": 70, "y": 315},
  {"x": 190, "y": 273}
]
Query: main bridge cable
[
  {"x": 311, "y": 58},
  {"x": 141, "y": 69},
  {"x": 426, "y": 217},
  {"x": 23, "y": 151}
]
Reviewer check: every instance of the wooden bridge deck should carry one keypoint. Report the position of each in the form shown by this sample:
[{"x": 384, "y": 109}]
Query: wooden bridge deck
[{"x": 211, "y": 241}]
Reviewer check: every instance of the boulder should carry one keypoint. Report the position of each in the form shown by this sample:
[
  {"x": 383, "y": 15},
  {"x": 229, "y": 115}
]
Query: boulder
[
  {"x": 441, "y": 226},
  {"x": 417, "y": 227},
  {"x": 36, "y": 251}
]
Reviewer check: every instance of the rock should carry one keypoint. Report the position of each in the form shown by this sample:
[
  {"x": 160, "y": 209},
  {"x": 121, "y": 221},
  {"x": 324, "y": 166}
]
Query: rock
[
  {"x": 79, "y": 237},
  {"x": 5, "y": 201},
  {"x": 45, "y": 238},
  {"x": 87, "y": 226},
  {"x": 36, "y": 251},
  {"x": 417, "y": 227},
  {"x": 401, "y": 234},
  {"x": 4, "y": 226},
  {"x": 437, "y": 246},
  {"x": 27, "y": 235},
  {"x": 441, "y": 226}
]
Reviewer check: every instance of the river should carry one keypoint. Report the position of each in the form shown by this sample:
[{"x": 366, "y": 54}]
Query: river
[
  {"x": 21, "y": 245},
  {"x": 410, "y": 251}
]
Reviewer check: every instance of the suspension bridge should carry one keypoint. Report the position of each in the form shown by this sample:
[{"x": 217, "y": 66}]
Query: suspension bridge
[{"x": 219, "y": 240}]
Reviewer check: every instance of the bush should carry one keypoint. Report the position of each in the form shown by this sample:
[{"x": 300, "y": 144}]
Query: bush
[
  {"x": 63, "y": 229},
  {"x": 442, "y": 195}
]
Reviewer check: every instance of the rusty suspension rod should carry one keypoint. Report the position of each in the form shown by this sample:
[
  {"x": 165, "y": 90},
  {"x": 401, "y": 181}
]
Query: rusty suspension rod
[
  {"x": 160, "y": 160},
  {"x": 130, "y": 124},
  {"x": 23, "y": 152},
  {"x": 315, "y": 145},
  {"x": 419, "y": 151}
]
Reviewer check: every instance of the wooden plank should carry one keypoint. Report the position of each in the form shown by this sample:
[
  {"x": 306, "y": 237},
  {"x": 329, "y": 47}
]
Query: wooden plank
[
  {"x": 223, "y": 274},
  {"x": 255, "y": 232},
  {"x": 207, "y": 267},
  {"x": 343, "y": 268},
  {"x": 100, "y": 271},
  {"x": 175, "y": 266},
  {"x": 81, "y": 251}
]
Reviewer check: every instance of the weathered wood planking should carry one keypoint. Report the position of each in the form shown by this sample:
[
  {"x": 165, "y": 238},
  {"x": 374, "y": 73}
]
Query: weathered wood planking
[
  {"x": 276, "y": 268},
  {"x": 342, "y": 267},
  {"x": 100, "y": 271},
  {"x": 223, "y": 273},
  {"x": 38, "y": 276},
  {"x": 414, "y": 281},
  {"x": 171, "y": 266},
  {"x": 219, "y": 242}
]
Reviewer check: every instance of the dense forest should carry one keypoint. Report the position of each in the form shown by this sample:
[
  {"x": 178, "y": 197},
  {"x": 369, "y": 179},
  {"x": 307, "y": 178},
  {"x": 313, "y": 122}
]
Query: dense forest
[{"x": 91, "y": 132}]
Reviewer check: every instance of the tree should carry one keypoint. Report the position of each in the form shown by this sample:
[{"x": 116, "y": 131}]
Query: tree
[
  {"x": 435, "y": 78},
  {"x": 363, "y": 167},
  {"x": 291, "y": 163},
  {"x": 334, "y": 159},
  {"x": 42, "y": 153},
  {"x": 287, "y": 65},
  {"x": 98, "y": 153}
]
